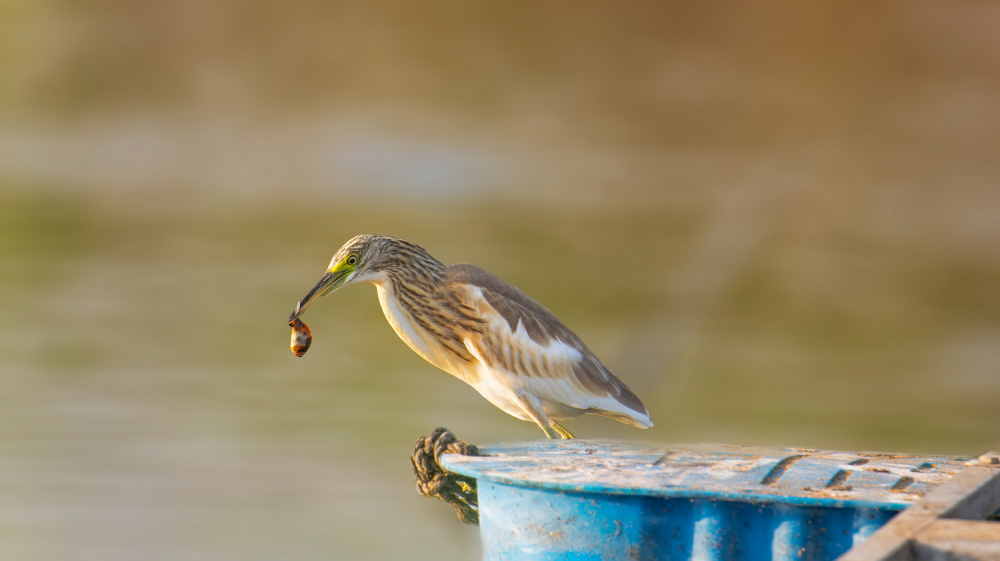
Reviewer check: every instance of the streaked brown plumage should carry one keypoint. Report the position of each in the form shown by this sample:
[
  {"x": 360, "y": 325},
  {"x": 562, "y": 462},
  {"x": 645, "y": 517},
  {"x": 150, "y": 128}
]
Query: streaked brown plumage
[{"x": 469, "y": 323}]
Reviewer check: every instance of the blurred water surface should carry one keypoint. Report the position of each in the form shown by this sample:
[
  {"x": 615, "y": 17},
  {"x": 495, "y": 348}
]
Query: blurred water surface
[
  {"x": 778, "y": 224},
  {"x": 151, "y": 406}
]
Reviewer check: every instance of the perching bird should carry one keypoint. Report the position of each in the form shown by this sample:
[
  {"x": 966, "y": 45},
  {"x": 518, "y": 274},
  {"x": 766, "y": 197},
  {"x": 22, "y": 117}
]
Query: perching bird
[{"x": 469, "y": 323}]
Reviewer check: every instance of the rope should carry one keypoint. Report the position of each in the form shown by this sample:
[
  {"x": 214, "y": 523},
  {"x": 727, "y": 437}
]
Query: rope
[{"x": 434, "y": 481}]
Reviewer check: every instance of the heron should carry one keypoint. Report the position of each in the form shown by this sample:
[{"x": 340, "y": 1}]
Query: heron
[{"x": 468, "y": 322}]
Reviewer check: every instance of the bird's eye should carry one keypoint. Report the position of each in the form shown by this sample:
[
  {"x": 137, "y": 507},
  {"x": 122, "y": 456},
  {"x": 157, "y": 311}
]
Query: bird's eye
[{"x": 352, "y": 259}]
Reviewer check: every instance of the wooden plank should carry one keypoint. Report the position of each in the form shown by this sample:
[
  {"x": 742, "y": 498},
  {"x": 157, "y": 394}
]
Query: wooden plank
[
  {"x": 920, "y": 532},
  {"x": 959, "y": 539}
]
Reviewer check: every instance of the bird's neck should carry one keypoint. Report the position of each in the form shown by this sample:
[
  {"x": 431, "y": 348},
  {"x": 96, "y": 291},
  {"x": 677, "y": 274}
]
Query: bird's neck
[
  {"x": 426, "y": 318},
  {"x": 409, "y": 263}
]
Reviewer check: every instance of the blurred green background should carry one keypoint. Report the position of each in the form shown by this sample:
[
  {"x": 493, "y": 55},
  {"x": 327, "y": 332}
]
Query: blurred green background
[{"x": 779, "y": 223}]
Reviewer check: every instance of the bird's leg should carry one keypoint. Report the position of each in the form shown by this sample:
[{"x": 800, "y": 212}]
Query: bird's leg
[
  {"x": 533, "y": 408},
  {"x": 551, "y": 433},
  {"x": 563, "y": 433}
]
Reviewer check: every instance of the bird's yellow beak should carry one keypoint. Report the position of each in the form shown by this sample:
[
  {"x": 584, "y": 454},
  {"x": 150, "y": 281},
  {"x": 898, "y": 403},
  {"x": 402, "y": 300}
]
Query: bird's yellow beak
[{"x": 332, "y": 280}]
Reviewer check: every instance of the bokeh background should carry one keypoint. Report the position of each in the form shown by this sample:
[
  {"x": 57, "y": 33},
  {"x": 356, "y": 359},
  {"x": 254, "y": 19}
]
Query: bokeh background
[{"x": 779, "y": 222}]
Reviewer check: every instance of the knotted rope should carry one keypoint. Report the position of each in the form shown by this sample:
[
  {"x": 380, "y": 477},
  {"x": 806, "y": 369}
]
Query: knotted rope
[{"x": 434, "y": 481}]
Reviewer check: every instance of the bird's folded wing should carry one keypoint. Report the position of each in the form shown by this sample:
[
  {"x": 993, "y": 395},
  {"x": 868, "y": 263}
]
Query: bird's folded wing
[{"x": 523, "y": 338}]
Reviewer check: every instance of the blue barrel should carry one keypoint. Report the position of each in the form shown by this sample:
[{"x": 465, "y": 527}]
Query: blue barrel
[{"x": 585, "y": 499}]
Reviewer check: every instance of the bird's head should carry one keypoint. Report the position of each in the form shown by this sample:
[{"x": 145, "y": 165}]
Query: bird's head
[{"x": 356, "y": 261}]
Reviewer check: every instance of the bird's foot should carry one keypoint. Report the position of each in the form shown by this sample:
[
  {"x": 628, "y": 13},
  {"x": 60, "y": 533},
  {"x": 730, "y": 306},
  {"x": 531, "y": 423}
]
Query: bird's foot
[{"x": 563, "y": 433}]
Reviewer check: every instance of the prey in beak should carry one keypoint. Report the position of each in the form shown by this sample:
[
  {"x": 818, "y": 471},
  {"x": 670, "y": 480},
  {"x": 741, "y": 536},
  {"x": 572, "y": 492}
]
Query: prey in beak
[
  {"x": 301, "y": 337},
  {"x": 339, "y": 273}
]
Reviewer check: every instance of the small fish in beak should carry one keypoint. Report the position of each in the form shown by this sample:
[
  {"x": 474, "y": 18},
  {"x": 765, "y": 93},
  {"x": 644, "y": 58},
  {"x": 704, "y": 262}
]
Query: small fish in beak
[{"x": 301, "y": 337}]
